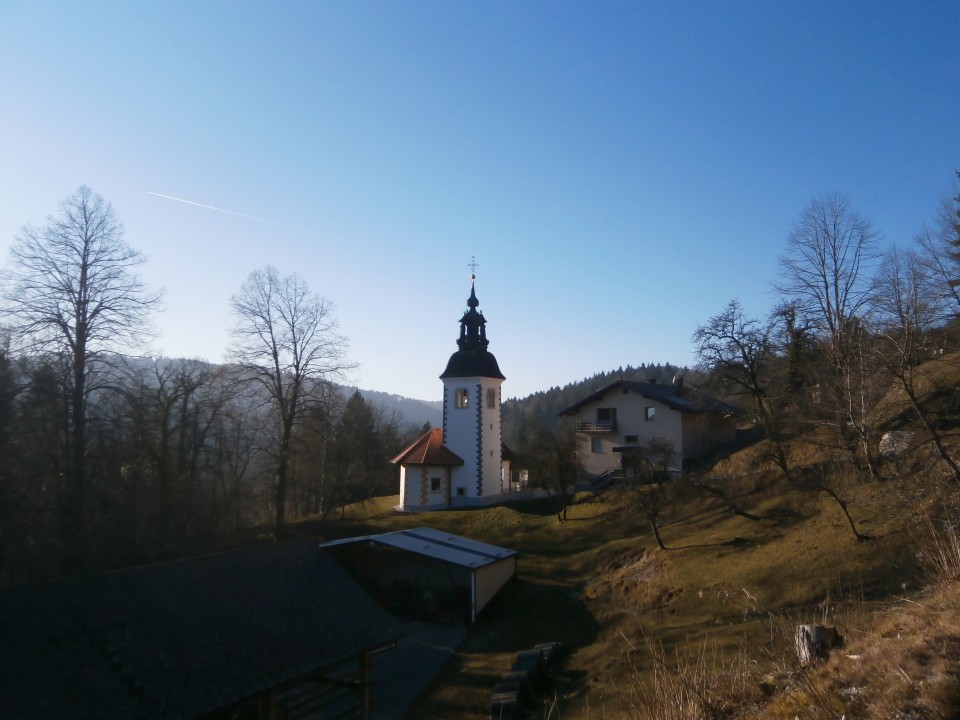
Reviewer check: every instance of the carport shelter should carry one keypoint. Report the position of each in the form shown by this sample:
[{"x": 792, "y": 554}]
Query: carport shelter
[
  {"x": 270, "y": 631},
  {"x": 427, "y": 574}
]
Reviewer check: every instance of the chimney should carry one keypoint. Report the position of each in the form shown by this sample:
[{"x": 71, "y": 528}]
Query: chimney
[{"x": 678, "y": 383}]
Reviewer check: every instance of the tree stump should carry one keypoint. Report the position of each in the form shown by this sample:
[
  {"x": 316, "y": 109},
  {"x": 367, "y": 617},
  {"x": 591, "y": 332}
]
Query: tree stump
[{"x": 814, "y": 642}]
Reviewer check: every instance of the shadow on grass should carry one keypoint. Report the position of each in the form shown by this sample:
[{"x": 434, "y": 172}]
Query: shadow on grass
[
  {"x": 325, "y": 530},
  {"x": 523, "y": 615},
  {"x": 736, "y": 542},
  {"x": 782, "y": 516},
  {"x": 526, "y": 613},
  {"x": 540, "y": 507},
  {"x": 537, "y": 507}
]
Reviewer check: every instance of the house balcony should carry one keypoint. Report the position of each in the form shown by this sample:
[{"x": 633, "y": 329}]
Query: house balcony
[{"x": 600, "y": 426}]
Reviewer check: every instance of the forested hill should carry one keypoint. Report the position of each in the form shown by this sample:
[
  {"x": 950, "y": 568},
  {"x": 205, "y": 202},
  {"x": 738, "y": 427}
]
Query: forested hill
[
  {"x": 546, "y": 405},
  {"x": 415, "y": 412}
]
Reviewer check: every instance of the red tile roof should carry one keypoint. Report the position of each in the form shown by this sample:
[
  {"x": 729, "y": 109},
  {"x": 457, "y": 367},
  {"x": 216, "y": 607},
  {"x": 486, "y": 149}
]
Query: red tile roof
[{"x": 428, "y": 450}]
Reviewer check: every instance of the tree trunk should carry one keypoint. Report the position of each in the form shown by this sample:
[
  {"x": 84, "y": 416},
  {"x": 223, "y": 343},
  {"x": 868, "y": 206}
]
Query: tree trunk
[
  {"x": 74, "y": 511},
  {"x": 656, "y": 532},
  {"x": 283, "y": 466},
  {"x": 730, "y": 505},
  {"x": 930, "y": 428},
  {"x": 772, "y": 430},
  {"x": 843, "y": 506}
]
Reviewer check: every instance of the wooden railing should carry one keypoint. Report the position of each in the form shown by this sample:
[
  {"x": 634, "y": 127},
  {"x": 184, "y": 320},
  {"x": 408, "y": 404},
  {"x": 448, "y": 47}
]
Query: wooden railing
[
  {"x": 599, "y": 426},
  {"x": 613, "y": 474}
]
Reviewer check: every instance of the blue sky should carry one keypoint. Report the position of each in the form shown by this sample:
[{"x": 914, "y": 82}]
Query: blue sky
[{"x": 620, "y": 170}]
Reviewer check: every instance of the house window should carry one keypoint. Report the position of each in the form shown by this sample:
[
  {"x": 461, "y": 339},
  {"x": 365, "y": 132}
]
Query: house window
[
  {"x": 596, "y": 445},
  {"x": 606, "y": 419},
  {"x": 606, "y": 414},
  {"x": 649, "y": 413},
  {"x": 435, "y": 484},
  {"x": 460, "y": 492},
  {"x": 463, "y": 398},
  {"x": 491, "y": 397},
  {"x": 631, "y": 439}
]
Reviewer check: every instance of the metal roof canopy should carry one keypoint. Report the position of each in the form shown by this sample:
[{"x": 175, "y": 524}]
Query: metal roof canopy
[{"x": 435, "y": 544}]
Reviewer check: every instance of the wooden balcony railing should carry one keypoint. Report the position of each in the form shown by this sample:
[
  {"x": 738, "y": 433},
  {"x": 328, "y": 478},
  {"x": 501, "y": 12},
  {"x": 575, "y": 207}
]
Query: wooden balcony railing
[{"x": 601, "y": 426}]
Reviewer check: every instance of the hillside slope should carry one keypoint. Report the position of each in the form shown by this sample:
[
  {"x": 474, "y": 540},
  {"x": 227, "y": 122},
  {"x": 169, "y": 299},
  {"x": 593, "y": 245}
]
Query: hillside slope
[{"x": 711, "y": 618}]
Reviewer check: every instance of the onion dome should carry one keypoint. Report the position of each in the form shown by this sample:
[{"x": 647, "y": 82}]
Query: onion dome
[{"x": 472, "y": 359}]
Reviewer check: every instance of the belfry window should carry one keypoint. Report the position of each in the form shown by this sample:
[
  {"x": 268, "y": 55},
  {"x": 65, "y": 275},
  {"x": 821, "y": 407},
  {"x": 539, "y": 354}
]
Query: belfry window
[
  {"x": 463, "y": 398},
  {"x": 491, "y": 397}
]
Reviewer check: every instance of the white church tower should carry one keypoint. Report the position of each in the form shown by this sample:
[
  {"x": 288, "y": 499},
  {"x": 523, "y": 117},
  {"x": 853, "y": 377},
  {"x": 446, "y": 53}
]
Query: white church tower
[
  {"x": 464, "y": 462},
  {"x": 471, "y": 412}
]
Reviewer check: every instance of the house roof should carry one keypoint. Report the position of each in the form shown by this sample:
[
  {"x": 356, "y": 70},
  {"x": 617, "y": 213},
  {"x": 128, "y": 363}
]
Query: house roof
[
  {"x": 181, "y": 639},
  {"x": 428, "y": 449},
  {"x": 676, "y": 396},
  {"x": 435, "y": 544}
]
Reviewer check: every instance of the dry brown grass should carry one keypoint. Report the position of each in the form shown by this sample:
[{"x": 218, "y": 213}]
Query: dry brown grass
[
  {"x": 694, "y": 628},
  {"x": 705, "y": 629},
  {"x": 940, "y": 550},
  {"x": 900, "y": 660}
]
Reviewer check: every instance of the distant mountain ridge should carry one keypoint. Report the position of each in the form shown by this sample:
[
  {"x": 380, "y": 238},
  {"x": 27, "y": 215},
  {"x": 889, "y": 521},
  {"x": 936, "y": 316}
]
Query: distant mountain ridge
[
  {"x": 416, "y": 412},
  {"x": 544, "y": 405}
]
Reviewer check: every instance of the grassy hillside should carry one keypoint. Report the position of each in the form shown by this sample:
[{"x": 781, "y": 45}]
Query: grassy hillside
[{"x": 707, "y": 625}]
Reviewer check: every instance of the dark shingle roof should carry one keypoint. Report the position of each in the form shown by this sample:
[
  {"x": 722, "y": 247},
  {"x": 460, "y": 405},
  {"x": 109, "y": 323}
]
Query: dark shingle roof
[
  {"x": 181, "y": 639},
  {"x": 475, "y": 362},
  {"x": 676, "y": 397}
]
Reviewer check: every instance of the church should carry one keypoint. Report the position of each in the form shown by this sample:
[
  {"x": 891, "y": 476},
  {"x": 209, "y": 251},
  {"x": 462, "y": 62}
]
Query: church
[{"x": 464, "y": 463}]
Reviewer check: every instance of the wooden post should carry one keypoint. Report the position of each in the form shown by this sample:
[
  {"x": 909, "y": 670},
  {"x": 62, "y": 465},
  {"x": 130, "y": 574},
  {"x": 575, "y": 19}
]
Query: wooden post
[{"x": 363, "y": 685}]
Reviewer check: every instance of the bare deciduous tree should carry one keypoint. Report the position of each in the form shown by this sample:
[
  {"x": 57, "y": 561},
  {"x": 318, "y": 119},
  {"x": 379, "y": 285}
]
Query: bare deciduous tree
[
  {"x": 940, "y": 251},
  {"x": 907, "y": 309},
  {"x": 286, "y": 340},
  {"x": 172, "y": 406},
  {"x": 646, "y": 476},
  {"x": 735, "y": 349},
  {"x": 825, "y": 266},
  {"x": 550, "y": 459},
  {"x": 73, "y": 291},
  {"x": 826, "y": 274}
]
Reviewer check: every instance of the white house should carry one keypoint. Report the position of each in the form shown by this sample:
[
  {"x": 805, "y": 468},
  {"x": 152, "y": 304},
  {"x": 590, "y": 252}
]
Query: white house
[
  {"x": 463, "y": 463},
  {"x": 628, "y": 416}
]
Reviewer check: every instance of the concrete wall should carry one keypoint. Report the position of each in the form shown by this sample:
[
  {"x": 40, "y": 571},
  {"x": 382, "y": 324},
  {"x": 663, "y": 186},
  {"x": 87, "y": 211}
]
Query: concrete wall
[
  {"x": 403, "y": 486},
  {"x": 490, "y": 579},
  {"x": 415, "y": 487}
]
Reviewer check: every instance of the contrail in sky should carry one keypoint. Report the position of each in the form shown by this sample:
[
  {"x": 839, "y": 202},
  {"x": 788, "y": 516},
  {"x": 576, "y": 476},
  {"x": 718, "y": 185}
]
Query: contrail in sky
[{"x": 231, "y": 212}]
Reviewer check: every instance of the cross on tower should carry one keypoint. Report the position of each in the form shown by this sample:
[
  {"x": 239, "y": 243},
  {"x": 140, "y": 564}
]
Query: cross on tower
[{"x": 473, "y": 265}]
